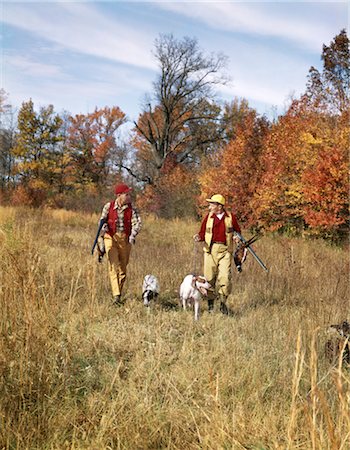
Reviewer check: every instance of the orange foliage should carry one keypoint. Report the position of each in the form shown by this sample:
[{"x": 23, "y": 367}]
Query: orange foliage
[
  {"x": 28, "y": 196},
  {"x": 291, "y": 149},
  {"x": 289, "y": 177},
  {"x": 235, "y": 171},
  {"x": 150, "y": 201},
  {"x": 326, "y": 184},
  {"x": 92, "y": 143},
  {"x": 172, "y": 195}
]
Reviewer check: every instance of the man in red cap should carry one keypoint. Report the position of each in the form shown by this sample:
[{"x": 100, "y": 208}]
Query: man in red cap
[
  {"x": 217, "y": 234},
  {"x": 122, "y": 224}
]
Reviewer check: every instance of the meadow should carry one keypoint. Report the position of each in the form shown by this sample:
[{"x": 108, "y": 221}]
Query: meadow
[{"x": 79, "y": 373}]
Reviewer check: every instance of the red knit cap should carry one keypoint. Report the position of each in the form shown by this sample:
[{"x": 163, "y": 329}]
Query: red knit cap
[{"x": 121, "y": 189}]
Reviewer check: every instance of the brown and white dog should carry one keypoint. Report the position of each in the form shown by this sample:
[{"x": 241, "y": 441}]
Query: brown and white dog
[{"x": 191, "y": 290}]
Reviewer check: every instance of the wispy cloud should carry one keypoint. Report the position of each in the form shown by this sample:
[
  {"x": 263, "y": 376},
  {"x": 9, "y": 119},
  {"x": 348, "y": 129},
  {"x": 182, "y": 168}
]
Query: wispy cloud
[
  {"x": 258, "y": 92},
  {"x": 274, "y": 19},
  {"x": 81, "y": 27},
  {"x": 101, "y": 85},
  {"x": 81, "y": 54},
  {"x": 33, "y": 68}
]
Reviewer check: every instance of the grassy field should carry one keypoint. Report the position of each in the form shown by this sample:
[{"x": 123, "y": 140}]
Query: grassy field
[{"x": 79, "y": 373}]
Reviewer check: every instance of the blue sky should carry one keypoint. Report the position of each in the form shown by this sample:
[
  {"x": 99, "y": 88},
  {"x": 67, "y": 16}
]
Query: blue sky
[{"x": 82, "y": 55}]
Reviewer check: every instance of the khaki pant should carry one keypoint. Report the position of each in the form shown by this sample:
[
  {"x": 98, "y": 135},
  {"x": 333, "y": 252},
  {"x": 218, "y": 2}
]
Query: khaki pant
[
  {"x": 118, "y": 253},
  {"x": 217, "y": 269}
]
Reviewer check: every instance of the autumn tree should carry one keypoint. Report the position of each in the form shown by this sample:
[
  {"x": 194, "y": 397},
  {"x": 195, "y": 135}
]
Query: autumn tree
[
  {"x": 304, "y": 181},
  {"x": 290, "y": 148},
  {"x": 173, "y": 195},
  {"x": 235, "y": 171},
  {"x": 37, "y": 151},
  {"x": 305, "y": 156},
  {"x": 181, "y": 119},
  {"x": 329, "y": 90},
  {"x": 326, "y": 184},
  {"x": 92, "y": 145},
  {"x": 233, "y": 117}
]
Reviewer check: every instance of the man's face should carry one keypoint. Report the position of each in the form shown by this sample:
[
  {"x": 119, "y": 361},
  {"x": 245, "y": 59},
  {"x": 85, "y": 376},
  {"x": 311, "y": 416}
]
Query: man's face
[
  {"x": 215, "y": 208},
  {"x": 124, "y": 198}
]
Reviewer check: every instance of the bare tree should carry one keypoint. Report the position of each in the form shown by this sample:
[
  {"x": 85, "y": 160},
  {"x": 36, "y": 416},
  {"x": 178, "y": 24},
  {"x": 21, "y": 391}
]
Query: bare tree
[
  {"x": 7, "y": 140},
  {"x": 184, "y": 120}
]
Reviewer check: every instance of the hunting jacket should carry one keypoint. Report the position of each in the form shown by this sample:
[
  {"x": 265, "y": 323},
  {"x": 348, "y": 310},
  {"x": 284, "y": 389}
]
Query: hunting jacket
[
  {"x": 215, "y": 230},
  {"x": 121, "y": 219}
]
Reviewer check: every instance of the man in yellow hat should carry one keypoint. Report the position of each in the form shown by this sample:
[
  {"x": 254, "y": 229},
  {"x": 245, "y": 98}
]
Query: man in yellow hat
[{"x": 217, "y": 234}]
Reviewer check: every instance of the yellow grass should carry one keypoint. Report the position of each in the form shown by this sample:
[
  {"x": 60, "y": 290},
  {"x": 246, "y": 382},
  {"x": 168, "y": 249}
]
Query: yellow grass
[{"x": 78, "y": 373}]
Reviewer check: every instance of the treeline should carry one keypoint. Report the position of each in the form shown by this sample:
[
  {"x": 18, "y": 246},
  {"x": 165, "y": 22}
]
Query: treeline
[{"x": 290, "y": 174}]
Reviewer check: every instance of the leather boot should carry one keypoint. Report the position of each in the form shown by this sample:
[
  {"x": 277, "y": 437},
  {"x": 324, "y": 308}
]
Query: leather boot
[
  {"x": 117, "y": 300},
  {"x": 210, "y": 305},
  {"x": 223, "y": 307}
]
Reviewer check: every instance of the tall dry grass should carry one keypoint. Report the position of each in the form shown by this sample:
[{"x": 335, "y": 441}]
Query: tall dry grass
[{"x": 77, "y": 373}]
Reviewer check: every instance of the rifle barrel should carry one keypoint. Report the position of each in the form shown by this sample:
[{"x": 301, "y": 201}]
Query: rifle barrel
[
  {"x": 251, "y": 251},
  {"x": 257, "y": 259},
  {"x": 102, "y": 222}
]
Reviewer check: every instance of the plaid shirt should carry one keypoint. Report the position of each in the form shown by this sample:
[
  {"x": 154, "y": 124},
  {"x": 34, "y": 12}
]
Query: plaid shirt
[{"x": 135, "y": 218}]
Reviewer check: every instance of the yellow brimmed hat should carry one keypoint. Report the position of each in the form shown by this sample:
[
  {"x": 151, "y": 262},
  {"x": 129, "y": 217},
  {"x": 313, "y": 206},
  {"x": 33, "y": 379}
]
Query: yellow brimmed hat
[{"x": 217, "y": 198}]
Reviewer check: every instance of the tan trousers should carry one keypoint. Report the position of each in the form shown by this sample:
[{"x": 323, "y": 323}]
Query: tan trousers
[
  {"x": 118, "y": 253},
  {"x": 217, "y": 269}
]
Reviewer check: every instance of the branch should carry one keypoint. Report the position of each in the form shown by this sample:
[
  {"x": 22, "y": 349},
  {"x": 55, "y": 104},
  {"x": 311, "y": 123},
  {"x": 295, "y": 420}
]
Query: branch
[
  {"x": 146, "y": 179},
  {"x": 154, "y": 146}
]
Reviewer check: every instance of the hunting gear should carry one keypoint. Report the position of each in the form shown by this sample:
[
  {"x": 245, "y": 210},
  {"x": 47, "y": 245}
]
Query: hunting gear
[
  {"x": 241, "y": 251},
  {"x": 99, "y": 241},
  {"x": 216, "y": 233},
  {"x": 119, "y": 225}
]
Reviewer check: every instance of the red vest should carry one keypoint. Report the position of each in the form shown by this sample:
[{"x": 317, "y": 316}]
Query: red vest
[{"x": 113, "y": 217}]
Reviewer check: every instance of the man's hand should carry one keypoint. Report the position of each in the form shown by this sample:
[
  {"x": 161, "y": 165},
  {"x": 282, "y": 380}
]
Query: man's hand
[
  {"x": 196, "y": 238},
  {"x": 132, "y": 240},
  {"x": 236, "y": 239}
]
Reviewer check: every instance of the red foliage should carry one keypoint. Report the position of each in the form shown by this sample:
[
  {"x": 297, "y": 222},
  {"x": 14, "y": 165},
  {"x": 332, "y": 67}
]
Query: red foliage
[
  {"x": 235, "y": 171},
  {"x": 27, "y": 196},
  {"x": 172, "y": 195},
  {"x": 326, "y": 189}
]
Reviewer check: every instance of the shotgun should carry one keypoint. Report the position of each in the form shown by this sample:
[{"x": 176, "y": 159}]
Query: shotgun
[
  {"x": 241, "y": 251},
  {"x": 250, "y": 250},
  {"x": 102, "y": 222}
]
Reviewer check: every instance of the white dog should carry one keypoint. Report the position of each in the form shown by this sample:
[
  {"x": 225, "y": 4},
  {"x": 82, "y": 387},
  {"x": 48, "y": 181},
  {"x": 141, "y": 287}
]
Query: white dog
[
  {"x": 191, "y": 290},
  {"x": 150, "y": 289}
]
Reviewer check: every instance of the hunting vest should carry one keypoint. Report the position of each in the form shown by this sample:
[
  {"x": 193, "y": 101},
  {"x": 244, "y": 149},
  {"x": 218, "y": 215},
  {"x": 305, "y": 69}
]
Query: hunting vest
[
  {"x": 209, "y": 233},
  {"x": 112, "y": 219}
]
